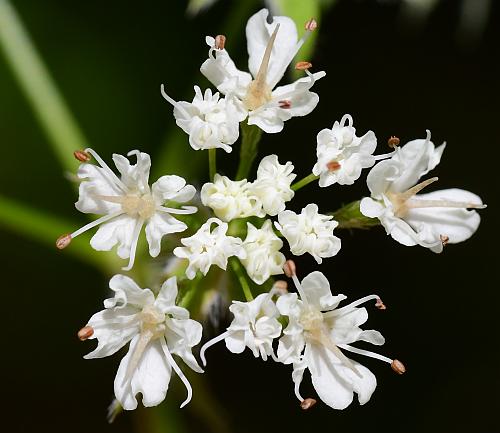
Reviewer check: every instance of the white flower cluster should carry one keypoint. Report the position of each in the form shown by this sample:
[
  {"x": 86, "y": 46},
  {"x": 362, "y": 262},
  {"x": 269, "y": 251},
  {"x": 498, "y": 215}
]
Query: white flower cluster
[{"x": 307, "y": 329}]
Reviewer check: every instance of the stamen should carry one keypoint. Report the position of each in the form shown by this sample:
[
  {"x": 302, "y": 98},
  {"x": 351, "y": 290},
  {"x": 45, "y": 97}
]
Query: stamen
[
  {"x": 385, "y": 155},
  {"x": 179, "y": 372},
  {"x": 444, "y": 239},
  {"x": 113, "y": 411},
  {"x": 380, "y": 305},
  {"x": 63, "y": 241},
  {"x": 417, "y": 203},
  {"x": 296, "y": 389},
  {"x": 81, "y": 155},
  {"x": 289, "y": 268},
  {"x": 308, "y": 403},
  {"x": 346, "y": 118},
  {"x": 108, "y": 172},
  {"x": 311, "y": 25},
  {"x": 210, "y": 343},
  {"x": 220, "y": 42},
  {"x": 366, "y": 353},
  {"x": 174, "y": 103},
  {"x": 333, "y": 166},
  {"x": 403, "y": 197},
  {"x": 398, "y": 366},
  {"x": 303, "y": 66},
  {"x": 349, "y": 307},
  {"x": 133, "y": 247},
  {"x": 286, "y": 103},
  {"x": 393, "y": 142},
  {"x": 92, "y": 224},
  {"x": 85, "y": 333},
  {"x": 185, "y": 210},
  {"x": 302, "y": 294}
]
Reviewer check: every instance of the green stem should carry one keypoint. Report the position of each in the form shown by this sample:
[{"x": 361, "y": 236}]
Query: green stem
[
  {"x": 250, "y": 137},
  {"x": 39, "y": 88},
  {"x": 240, "y": 274},
  {"x": 350, "y": 217},
  {"x": 212, "y": 163},
  {"x": 45, "y": 228},
  {"x": 303, "y": 182}
]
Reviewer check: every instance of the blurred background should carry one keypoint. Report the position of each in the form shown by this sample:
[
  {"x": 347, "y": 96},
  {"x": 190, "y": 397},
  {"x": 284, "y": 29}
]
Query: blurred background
[{"x": 398, "y": 67}]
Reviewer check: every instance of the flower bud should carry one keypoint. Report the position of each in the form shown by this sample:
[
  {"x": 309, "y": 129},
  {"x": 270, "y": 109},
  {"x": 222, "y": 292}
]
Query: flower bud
[
  {"x": 63, "y": 241},
  {"x": 398, "y": 366},
  {"x": 81, "y": 155},
  {"x": 85, "y": 333},
  {"x": 307, "y": 403},
  {"x": 290, "y": 268}
]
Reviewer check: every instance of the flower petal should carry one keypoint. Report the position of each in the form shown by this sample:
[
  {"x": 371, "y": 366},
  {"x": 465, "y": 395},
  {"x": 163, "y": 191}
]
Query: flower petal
[
  {"x": 134, "y": 175},
  {"x": 173, "y": 188},
  {"x": 159, "y": 225},
  {"x": 119, "y": 230},
  {"x": 150, "y": 378},
  {"x": 127, "y": 292},
  {"x": 317, "y": 290}
]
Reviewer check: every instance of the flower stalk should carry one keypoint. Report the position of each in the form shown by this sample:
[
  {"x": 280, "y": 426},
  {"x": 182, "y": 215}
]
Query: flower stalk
[
  {"x": 350, "y": 217},
  {"x": 251, "y": 136},
  {"x": 303, "y": 182}
]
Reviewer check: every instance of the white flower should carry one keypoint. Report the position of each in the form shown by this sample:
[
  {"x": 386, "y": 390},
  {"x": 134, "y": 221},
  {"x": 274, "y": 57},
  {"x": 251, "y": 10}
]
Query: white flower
[
  {"x": 342, "y": 155},
  {"x": 210, "y": 122},
  {"x": 429, "y": 220},
  {"x": 156, "y": 329},
  {"x": 255, "y": 325},
  {"x": 271, "y": 48},
  {"x": 309, "y": 232},
  {"x": 316, "y": 332},
  {"x": 272, "y": 186},
  {"x": 127, "y": 203},
  {"x": 263, "y": 257},
  {"x": 231, "y": 199},
  {"x": 209, "y": 247}
]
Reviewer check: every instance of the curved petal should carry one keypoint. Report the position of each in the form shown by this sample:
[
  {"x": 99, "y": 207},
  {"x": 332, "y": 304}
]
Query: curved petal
[
  {"x": 235, "y": 341},
  {"x": 381, "y": 177},
  {"x": 345, "y": 328},
  {"x": 151, "y": 377},
  {"x": 119, "y": 230},
  {"x": 258, "y": 32},
  {"x": 182, "y": 335},
  {"x": 113, "y": 328},
  {"x": 317, "y": 290},
  {"x": 159, "y": 225},
  {"x": 371, "y": 208},
  {"x": 173, "y": 188},
  {"x": 167, "y": 295},
  {"x": 127, "y": 292},
  {"x": 134, "y": 175}
]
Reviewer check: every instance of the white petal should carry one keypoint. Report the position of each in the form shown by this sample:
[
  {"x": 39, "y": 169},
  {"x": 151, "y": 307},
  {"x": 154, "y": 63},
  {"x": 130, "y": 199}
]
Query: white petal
[
  {"x": 168, "y": 294},
  {"x": 258, "y": 32},
  {"x": 159, "y": 225},
  {"x": 182, "y": 335},
  {"x": 113, "y": 329},
  {"x": 119, "y": 230},
  {"x": 134, "y": 175},
  {"x": 172, "y": 188},
  {"x": 127, "y": 292},
  {"x": 345, "y": 328},
  {"x": 151, "y": 377},
  {"x": 235, "y": 342},
  {"x": 317, "y": 290},
  {"x": 371, "y": 208},
  {"x": 381, "y": 177}
]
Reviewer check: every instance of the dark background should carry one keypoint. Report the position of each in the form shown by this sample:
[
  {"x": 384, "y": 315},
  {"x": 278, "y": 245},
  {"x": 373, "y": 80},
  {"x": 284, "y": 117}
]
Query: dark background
[{"x": 395, "y": 76}]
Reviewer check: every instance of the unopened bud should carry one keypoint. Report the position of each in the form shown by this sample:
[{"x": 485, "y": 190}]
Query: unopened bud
[
  {"x": 393, "y": 142},
  {"x": 81, "y": 155},
  {"x": 333, "y": 166},
  {"x": 307, "y": 403},
  {"x": 398, "y": 366},
  {"x": 444, "y": 239},
  {"x": 220, "y": 42},
  {"x": 303, "y": 66},
  {"x": 290, "y": 268},
  {"x": 380, "y": 305},
  {"x": 85, "y": 333},
  {"x": 63, "y": 241},
  {"x": 286, "y": 103},
  {"x": 281, "y": 286},
  {"x": 311, "y": 25}
]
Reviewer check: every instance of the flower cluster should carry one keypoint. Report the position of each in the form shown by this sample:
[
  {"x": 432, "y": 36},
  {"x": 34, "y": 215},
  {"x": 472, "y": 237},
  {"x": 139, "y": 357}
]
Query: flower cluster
[{"x": 242, "y": 227}]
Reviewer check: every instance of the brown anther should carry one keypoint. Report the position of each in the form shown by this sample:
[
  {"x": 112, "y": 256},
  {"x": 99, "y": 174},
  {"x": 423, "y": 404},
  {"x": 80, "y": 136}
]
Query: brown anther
[
  {"x": 444, "y": 239},
  {"x": 333, "y": 166},
  {"x": 311, "y": 25},
  {"x": 81, "y": 155},
  {"x": 63, "y": 241},
  {"x": 307, "y": 403},
  {"x": 220, "y": 42},
  {"x": 398, "y": 366},
  {"x": 85, "y": 333},
  {"x": 290, "y": 268},
  {"x": 285, "y": 103},
  {"x": 281, "y": 286},
  {"x": 393, "y": 142},
  {"x": 380, "y": 305},
  {"x": 303, "y": 66}
]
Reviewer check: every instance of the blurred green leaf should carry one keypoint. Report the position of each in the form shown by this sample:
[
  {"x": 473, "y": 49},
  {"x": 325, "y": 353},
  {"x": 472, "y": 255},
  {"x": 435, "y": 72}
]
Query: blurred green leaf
[{"x": 39, "y": 88}]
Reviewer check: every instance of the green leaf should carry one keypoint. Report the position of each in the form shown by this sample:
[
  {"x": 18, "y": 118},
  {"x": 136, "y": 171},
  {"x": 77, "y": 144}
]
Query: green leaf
[{"x": 39, "y": 87}]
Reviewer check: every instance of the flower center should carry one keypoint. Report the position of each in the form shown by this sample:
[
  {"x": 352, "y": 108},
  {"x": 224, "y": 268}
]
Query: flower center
[
  {"x": 311, "y": 319},
  {"x": 152, "y": 321},
  {"x": 258, "y": 91},
  {"x": 139, "y": 206}
]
